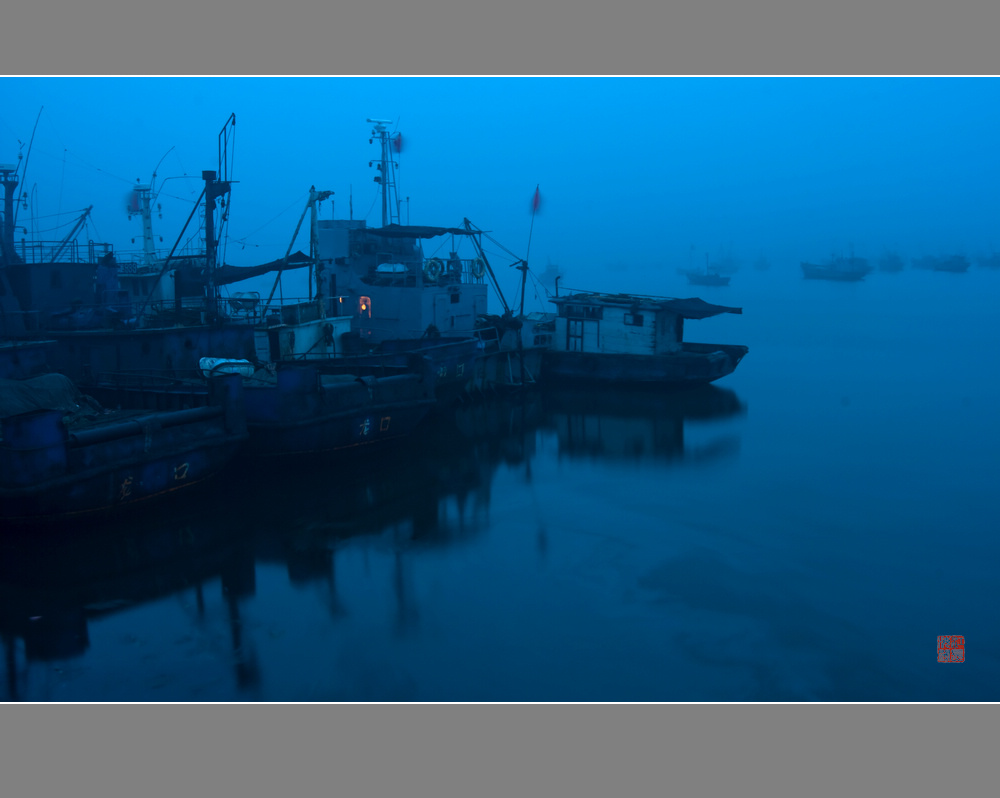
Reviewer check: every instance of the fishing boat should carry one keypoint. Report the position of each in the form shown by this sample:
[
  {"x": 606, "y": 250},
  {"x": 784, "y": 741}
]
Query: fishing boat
[
  {"x": 942, "y": 263},
  {"x": 714, "y": 274},
  {"x": 61, "y": 454},
  {"x": 706, "y": 277},
  {"x": 175, "y": 317},
  {"x": 628, "y": 339},
  {"x": 844, "y": 269},
  {"x": 416, "y": 287}
]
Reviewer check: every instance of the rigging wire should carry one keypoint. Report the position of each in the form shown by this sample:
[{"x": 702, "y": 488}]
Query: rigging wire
[
  {"x": 28, "y": 156},
  {"x": 296, "y": 203}
]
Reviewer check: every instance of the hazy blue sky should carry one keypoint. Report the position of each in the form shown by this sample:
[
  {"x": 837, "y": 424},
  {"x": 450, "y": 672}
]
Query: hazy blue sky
[{"x": 636, "y": 174}]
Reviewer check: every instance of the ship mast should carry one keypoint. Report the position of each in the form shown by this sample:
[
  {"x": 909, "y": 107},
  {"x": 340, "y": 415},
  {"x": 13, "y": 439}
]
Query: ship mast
[
  {"x": 386, "y": 177},
  {"x": 8, "y": 176},
  {"x": 217, "y": 186}
]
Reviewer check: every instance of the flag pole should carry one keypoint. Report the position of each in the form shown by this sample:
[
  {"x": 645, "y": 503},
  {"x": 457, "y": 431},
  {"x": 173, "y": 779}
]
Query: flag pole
[{"x": 535, "y": 202}]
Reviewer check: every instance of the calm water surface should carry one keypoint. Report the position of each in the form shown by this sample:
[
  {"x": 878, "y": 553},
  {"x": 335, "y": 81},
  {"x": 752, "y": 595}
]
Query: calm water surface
[{"x": 802, "y": 531}]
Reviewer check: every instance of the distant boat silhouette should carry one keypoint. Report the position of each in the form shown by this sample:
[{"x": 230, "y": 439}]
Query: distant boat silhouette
[{"x": 850, "y": 269}]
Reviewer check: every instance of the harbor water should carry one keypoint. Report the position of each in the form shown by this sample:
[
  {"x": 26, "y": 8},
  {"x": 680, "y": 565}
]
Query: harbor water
[{"x": 803, "y": 530}]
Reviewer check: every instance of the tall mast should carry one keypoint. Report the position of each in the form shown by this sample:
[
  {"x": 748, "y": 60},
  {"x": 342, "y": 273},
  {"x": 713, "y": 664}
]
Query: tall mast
[
  {"x": 141, "y": 202},
  {"x": 8, "y": 176},
  {"x": 386, "y": 177},
  {"x": 216, "y": 189}
]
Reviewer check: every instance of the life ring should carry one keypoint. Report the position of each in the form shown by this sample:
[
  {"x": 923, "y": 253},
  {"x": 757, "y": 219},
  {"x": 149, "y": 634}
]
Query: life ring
[
  {"x": 478, "y": 268},
  {"x": 433, "y": 270}
]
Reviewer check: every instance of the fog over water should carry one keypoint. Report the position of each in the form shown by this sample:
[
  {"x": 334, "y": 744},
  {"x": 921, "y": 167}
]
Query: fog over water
[{"x": 803, "y": 531}]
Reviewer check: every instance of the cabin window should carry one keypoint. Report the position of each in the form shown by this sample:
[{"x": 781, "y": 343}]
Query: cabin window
[
  {"x": 455, "y": 298},
  {"x": 55, "y": 280},
  {"x": 365, "y": 307},
  {"x": 583, "y": 312},
  {"x": 633, "y": 319}
]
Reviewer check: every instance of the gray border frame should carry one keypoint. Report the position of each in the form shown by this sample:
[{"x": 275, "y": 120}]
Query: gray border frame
[{"x": 484, "y": 750}]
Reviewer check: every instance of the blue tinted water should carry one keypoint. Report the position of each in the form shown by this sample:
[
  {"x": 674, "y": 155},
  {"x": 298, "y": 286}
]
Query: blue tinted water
[{"x": 803, "y": 532}]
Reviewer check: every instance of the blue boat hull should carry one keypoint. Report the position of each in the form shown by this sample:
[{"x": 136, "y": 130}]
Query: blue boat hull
[
  {"x": 48, "y": 470},
  {"x": 304, "y": 411}
]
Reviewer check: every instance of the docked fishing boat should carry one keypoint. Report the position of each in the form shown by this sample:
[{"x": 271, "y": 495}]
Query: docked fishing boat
[
  {"x": 627, "y": 339},
  {"x": 61, "y": 454},
  {"x": 414, "y": 287},
  {"x": 849, "y": 269},
  {"x": 177, "y": 318}
]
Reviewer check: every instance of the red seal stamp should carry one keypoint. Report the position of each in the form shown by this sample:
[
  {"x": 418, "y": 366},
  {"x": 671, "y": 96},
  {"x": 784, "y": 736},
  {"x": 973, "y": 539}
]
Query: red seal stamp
[{"x": 951, "y": 648}]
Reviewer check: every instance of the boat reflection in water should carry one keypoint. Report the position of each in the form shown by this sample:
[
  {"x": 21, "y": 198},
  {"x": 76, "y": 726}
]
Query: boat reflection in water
[
  {"x": 638, "y": 425},
  {"x": 55, "y": 582},
  {"x": 261, "y": 587}
]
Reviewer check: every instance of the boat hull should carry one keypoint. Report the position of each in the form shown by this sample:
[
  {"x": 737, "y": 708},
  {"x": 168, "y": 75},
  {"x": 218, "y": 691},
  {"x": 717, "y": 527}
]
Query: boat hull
[
  {"x": 49, "y": 471},
  {"x": 449, "y": 362},
  {"x": 695, "y": 364},
  {"x": 307, "y": 413},
  {"x": 303, "y": 410}
]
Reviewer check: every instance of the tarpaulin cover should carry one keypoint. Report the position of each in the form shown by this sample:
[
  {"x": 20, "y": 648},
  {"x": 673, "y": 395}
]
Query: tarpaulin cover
[
  {"x": 415, "y": 231},
  {"x": 47, "y": 392},
  {"x": 691, "y": 308},
  {"x": 695, "y": 308},
  {"x": 224, "y": 275}
]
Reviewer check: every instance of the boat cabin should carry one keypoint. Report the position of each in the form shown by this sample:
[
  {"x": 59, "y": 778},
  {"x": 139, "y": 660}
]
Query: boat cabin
[
  {"x": 626, "y": 324},
  {"x": 394, "y": 291}
]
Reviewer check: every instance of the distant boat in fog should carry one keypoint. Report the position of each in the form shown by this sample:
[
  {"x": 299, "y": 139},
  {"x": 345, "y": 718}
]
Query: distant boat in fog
[
  {"x": 706, "y": 277},
  {"x": 991, "y": 261},
  {"x": 947, "y": 263},
  {"x": 710, "y": 275},
  {"x": 849, "y": 269},
  {"x": 762, "y": 264}
]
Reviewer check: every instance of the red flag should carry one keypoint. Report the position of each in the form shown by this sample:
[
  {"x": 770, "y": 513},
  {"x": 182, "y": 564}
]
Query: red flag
[
  {"x": 536, "y": 201},
  {"x": 398, "y": 142},
  {"x": 132, "y": 202}
]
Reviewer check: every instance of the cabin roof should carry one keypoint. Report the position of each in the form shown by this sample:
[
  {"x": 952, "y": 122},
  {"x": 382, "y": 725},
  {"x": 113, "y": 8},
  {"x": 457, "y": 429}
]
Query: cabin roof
[{"x": 690, "y": 308}]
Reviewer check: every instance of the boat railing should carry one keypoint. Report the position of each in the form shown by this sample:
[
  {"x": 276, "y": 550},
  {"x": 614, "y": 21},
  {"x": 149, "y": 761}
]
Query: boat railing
[
  {"x": 61, "y": 252},
  {"x": 433, "y": 270}
]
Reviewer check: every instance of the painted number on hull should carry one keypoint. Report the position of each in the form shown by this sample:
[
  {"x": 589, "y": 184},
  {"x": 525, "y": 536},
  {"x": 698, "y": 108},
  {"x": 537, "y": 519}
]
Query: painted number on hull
[
  {"x": 181, "y": 471},
  {"x": 126, "y": 489},
  {"x": 366, "y": 427}
]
